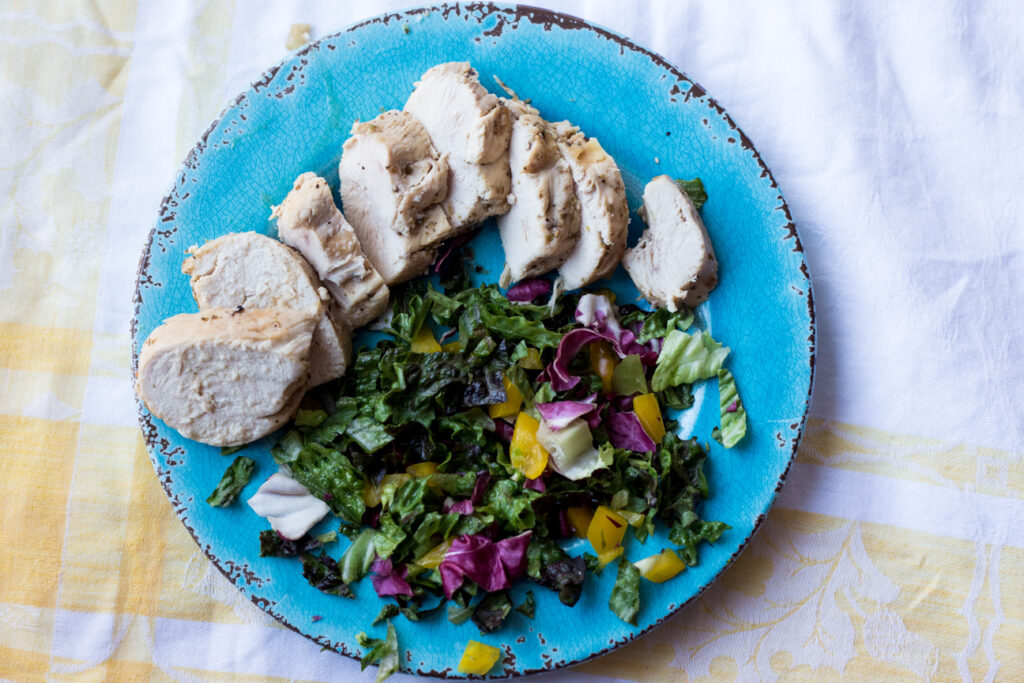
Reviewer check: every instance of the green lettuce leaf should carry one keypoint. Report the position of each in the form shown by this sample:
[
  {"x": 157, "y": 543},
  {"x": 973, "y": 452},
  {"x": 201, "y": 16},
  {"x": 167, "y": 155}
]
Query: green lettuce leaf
[
  {"x": 407, "y": 503},
  {"x": 682, "y": 479},
  {"x": 734, "y": 416},
  {"x": 529, "y": 606},
  {"x": 592, "y": 564},
  {"x": 520, "y": 328},
  {"x": 288, "y": 448},
  {"x": 511, "y": 505},
  {"x": 487, "y": 310},
  {"x": 625, "y": 600},
  {"x": 330, "y": 476},
  {"x": 360, "y": 555},
  {"x": 544, "y": 394},
  {"x": 389, "y": 536},
  {"x": 677, "y": 398},
  {"x": 457, "y": 485},
  {"x": 322, "y": 573},
  {"x": 540, "y": 553},
  {"x": 273, "y": 544},
  {"x": 310, "y": 418},
  {"x": 383, "y": 653},
  {"x": 686, "y": 358},
  {"x": 327, "y": 537},
  {"x": 518, "y": 377},
  {"x": 689, "y": 536},
  {"x": 368, "y": 433},
  {"x": 443, "y": 308},
  {"x": 660, "y": 322},
  {"x": 694, "y": 188},
  {"x": 410, "y": 310},
  {"x": 491, "y": 612},
  {"x": 345, "y": 409},
  {"x": 386, "y": 612},
  {"x": 435, "y": 528},
  {"x": 458, "y": 614},
  {"x": 236, "y": 476},
  {"x": 552, "y": 567}
]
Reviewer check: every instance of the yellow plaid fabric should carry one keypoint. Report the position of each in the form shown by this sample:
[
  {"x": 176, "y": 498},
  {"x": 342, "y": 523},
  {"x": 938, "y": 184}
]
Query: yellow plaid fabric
[{"x": 100, "y": 581}]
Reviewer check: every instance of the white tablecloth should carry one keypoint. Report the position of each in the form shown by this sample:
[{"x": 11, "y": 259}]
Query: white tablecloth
[{"x": 895, "y": 133}]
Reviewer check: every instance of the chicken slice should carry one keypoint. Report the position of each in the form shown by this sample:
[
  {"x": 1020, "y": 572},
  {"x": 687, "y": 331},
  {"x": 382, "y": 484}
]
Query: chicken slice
[
  {"x": 392, "y": 183},
  {"x": 604, "y": 214},
  {"x": 331, "y": 354},
  {"x": 250, "y": 270},
  {"x": 309, "y": 220},
  {"x": 393, "y": 160},
  {"x": 471, "y": 127},
  {"x": 397, "y": 257},
  {"x": 673, "y": 264},
  {"x": 542, "y": 226},
  {"x": 225, "y": 377}
]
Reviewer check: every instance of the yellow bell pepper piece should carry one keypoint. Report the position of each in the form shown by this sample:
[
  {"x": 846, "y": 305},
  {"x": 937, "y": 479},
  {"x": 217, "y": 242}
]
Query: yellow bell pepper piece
[
  {"x": 371, "y": 494},
  {"x": 661, "y": 567},
  {"x": 580, "y": 519},
  {"x": 532, "y": 360},
  {"x": 649, "y": 413},
  {"x": 478, "y": 658},
  {"x": 606, "y": 530},
  {"x": 525, "y": 452},
  {"x": 603, "y": 360},
  {"x": 433, "y": 557},
  {"x": 510, "y": 406},
  {"x": 451, "y": 347},
  {"x": 424, "y": 341},
  {"x": 422, "y": 469},
  {"x": 613, "y": 554}
]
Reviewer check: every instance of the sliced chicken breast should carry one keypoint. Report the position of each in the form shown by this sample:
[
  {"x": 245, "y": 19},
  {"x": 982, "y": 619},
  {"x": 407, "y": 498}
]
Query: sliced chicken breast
[
  {"x": 604, "y": 214},
  {"x": 393, "y": 160},
  {"x": 541, "y": 228},
  {"x": 225, "y": 377},
  {"x": 396, "y": 256},
  {"x": 331, "y": 354},
  {"x": 248, "y": 270},
  {"x": 673, "y": 264},
  {"x": 392, "y": 183},
  {"x": 471, "y": 127},
  {"x": 309, "y": 221}
]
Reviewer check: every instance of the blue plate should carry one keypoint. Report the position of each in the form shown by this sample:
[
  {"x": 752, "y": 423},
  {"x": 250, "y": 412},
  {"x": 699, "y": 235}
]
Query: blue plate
[{"x": 653, "y": 120}]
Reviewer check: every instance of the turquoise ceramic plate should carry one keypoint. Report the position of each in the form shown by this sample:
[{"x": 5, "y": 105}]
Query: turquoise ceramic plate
[{"x": 653, "y": 120}]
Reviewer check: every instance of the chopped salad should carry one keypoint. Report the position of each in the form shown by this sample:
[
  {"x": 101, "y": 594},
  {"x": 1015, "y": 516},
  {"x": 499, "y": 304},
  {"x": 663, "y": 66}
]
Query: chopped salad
[{"x": 485, "y": 428}]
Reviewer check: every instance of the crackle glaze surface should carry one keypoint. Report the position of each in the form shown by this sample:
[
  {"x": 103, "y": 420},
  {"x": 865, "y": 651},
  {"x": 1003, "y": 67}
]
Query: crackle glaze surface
[{"x": 653, "y": 120}]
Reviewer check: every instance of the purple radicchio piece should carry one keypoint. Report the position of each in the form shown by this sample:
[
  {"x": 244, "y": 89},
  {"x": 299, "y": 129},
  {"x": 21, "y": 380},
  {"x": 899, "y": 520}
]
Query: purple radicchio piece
[
  {"x": 626, "y": 431},
  {"x": 492, "y": 566},
  {"x": 558, "y": 414},
  {"x": 386, "y": 581},
  {"x": 597, "y": 315},
  {"x": 528, "y": 291},
  {"x": 537, "y": 484}
]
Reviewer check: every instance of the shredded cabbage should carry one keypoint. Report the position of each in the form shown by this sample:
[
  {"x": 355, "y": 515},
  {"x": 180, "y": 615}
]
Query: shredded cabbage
[
  {"x": 734, "y": 416},
  {"x": 686, "y": 358}
]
